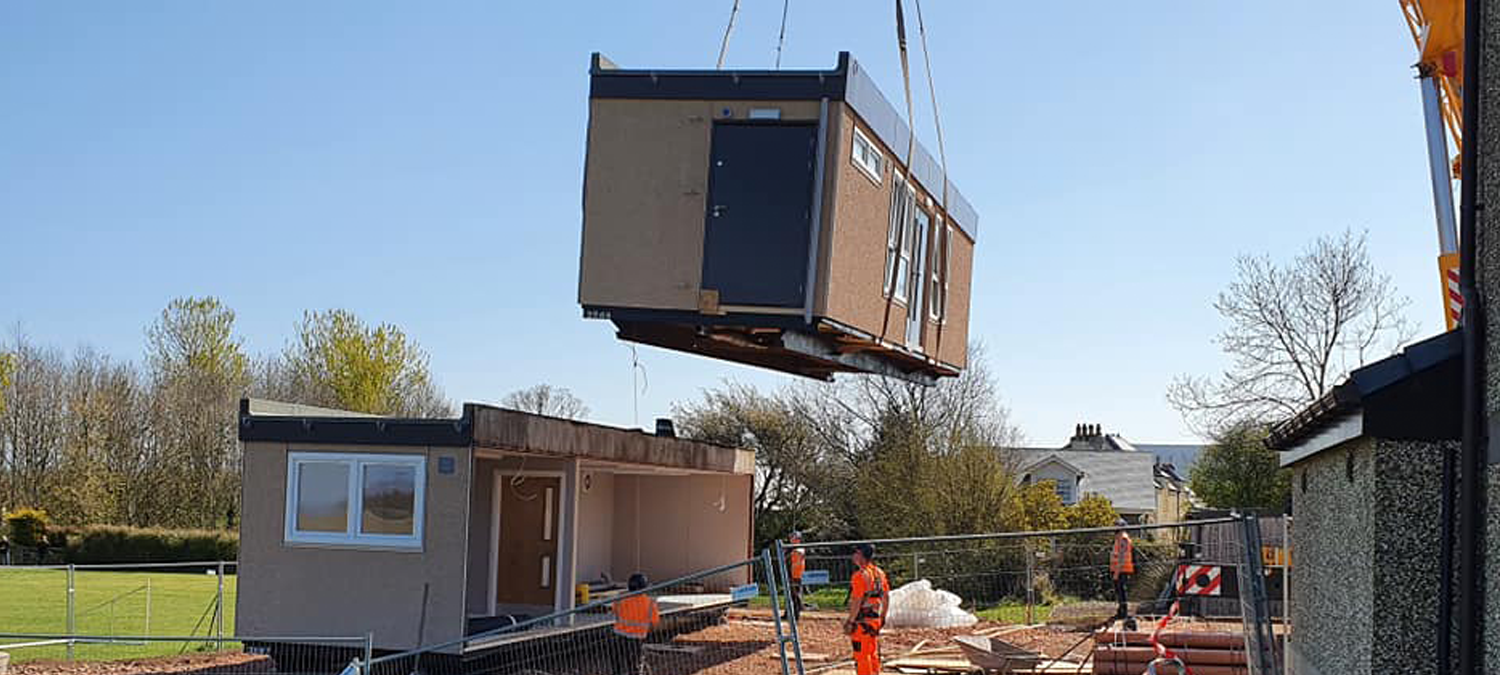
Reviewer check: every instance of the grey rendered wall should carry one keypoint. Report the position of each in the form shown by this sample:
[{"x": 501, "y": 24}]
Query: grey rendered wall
[
  {"x": 1408, "y": 477},
  {"x": 596, "y": 526},
  {"x": 670, "y": 526},
  {"x": 323, "y": 590},
  {"x": 1488, "y": 241},
  {"x": 1332, "y": 588}
]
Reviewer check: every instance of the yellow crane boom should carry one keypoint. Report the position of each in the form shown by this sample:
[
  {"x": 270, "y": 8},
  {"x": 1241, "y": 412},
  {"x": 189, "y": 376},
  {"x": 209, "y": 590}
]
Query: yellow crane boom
[{"x": 1437, "y": 28}]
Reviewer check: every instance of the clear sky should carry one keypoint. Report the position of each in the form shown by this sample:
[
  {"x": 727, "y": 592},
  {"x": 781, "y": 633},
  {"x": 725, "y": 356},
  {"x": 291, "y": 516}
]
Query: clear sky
[{"x": 421, "y": 164}]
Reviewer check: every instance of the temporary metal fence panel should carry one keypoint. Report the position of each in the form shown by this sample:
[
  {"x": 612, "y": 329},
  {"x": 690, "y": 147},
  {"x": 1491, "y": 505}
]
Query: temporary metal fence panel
[
  {"x": 1260, "y": 637},
  {"x": 707, "y": 620},
  {"x": 1026, "y": 578},
  {"x": 187, "y": 599},
  {"x": 221, "y": 655}
]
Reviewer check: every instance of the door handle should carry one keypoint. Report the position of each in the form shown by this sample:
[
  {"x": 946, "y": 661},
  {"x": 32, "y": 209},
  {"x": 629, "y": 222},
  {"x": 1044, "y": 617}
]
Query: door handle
[{"x": 718, "y": 210}]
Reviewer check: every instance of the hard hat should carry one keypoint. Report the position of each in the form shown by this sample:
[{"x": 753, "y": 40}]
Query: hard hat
[
  {"x": 796, "y": 535},
  {"x": 1120, "y": 522}
]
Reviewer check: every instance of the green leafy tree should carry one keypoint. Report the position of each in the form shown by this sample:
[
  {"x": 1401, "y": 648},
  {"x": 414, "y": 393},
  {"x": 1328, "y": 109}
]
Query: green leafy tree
[
  {"x": 1037, "y": 507},
  {"x": 7, "y": 365},
  {"x": 1094, "y": 510},
  {"x": 339, "y": 361},
  {"x": 198, "y": 370},
  {"x": 1238, "y": 470}
]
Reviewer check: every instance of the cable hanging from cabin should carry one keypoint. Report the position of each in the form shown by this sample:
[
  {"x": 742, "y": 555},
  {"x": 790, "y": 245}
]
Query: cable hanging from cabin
[
  {"x": 636, "y": 367},
  {"x": 911, "y": 141},
  {"x": 937, "y": 124},
  {"x": 734, "y": 10}
]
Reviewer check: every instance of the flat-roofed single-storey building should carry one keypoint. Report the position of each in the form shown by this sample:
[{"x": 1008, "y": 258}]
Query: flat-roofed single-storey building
[{"x": 423, "y": 530}]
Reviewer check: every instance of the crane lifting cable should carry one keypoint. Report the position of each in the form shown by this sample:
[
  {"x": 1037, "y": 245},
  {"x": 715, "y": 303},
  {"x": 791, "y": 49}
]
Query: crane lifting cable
[
  {"x": 937, "y": 124},
  {"x": 911, "y": 142},
  {"x": 781, "y": 39},
  {"x": 734, "y": 11}
]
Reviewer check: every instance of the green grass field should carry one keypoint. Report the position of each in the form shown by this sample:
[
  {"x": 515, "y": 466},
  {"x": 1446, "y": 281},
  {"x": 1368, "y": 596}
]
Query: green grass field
[{"x": 110, "y": 603}]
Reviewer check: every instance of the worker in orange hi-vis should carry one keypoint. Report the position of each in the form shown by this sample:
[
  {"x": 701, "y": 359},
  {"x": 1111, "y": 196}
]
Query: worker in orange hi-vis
[
  {"x": 869, "y": 599},
  {"x": 798, "y": 563},
  {"x": 635, "y": 616},
  {"x": 1121, "y": 566}
]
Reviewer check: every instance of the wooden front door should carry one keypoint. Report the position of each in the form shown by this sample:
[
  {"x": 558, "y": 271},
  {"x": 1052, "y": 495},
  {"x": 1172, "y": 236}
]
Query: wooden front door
[{"x": 527, "y": 570}]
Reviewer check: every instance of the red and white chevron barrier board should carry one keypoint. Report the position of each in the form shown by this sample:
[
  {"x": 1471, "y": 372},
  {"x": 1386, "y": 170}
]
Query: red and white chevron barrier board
[
  {"x": 1453, "y": 298},
  {"x": 1199, "y": 580}
]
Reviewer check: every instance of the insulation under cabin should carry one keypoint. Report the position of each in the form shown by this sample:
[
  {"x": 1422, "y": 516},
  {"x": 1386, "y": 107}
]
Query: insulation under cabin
[{"x": 770, "y": 218}]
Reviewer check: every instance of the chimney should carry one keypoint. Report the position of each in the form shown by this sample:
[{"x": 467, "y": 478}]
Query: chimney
[{"x": 664, "y": 428}]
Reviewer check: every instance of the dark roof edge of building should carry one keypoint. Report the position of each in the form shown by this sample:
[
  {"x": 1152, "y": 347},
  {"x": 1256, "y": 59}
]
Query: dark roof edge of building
[
  {"x": 1419, "y": 367},
  {"x": 309, "y": 424},
  {"x": 305, "y": 424},
  {"x": 847, "y": 82}
]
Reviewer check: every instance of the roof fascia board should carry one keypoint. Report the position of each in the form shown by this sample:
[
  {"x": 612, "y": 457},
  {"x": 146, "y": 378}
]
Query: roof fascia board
[{"x": 1343, "y": 430}]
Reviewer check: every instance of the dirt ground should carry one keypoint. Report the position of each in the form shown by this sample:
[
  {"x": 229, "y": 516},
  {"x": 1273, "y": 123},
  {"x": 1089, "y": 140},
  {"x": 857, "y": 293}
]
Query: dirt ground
[
  {"x": 744, "y": 644},
  {"x": 824, "y": 642},
  {"x": 198, "y": 664}
]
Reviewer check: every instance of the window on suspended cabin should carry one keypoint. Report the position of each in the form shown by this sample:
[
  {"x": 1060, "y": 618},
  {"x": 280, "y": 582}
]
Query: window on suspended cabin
[
  {"x": 900, "y": 244},
  {"x": 867, "y": 157}
]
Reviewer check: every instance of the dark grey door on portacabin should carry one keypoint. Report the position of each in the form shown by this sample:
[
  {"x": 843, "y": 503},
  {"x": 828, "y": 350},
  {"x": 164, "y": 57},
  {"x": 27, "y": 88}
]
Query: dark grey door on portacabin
[{"x": 760, "y": 187}]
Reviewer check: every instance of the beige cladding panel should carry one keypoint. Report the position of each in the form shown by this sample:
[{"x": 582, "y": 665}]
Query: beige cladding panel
[
  {"x": 645, "y": 191},
  {"x": 856, "y": 261},
  {"x": 861, "y": 219},
  {"x": 670, "y": 526},
  {"x": 955, "y": 348},
  {"x": 324, "y": 590}
]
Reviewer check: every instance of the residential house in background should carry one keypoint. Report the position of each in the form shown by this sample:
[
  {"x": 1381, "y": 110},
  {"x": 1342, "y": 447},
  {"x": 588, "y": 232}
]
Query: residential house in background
[{"x": 1142, "y": 482}]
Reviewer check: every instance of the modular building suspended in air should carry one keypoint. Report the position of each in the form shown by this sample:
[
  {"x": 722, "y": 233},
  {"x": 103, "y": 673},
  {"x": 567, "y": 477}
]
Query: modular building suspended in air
[{"x": 784, "y": 219}]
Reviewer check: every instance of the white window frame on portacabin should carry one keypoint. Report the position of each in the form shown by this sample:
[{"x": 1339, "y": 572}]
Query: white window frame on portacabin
[
  {"x": 866, "y": 156},
  {"x": 942, "y": 254},
  {"x": 900, "y": 239},
  {"x": 351, "y": 536}
]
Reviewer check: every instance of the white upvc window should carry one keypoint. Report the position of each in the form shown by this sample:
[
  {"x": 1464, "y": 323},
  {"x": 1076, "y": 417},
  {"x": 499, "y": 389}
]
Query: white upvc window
[
  {"x": 937, "y": 295},
  {"x": 867, "y": 157},
  {"x": 901, "y": 239},
  {"x": 366, "y": 500}
]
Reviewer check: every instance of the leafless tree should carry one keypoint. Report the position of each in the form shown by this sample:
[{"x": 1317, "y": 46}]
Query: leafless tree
[
  {"x": 1294, "y": 331},
  {"x": 33, "y": 424},
  {"x": 545, "y": 399},
  {"x": 825, "y": 450}
]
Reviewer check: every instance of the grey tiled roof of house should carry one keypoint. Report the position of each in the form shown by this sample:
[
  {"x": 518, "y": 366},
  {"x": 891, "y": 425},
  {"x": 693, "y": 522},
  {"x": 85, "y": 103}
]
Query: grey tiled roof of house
[
  {"x": 1123, "y": 477},
  {"x": 1179, "y": 455}
]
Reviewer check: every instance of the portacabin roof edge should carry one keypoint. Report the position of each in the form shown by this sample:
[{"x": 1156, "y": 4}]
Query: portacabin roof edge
[{"x": 847, "y": 82}]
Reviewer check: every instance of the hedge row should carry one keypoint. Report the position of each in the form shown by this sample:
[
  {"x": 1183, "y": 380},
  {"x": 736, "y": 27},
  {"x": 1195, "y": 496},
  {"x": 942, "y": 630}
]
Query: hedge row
[{"x": 102, "y": 544}]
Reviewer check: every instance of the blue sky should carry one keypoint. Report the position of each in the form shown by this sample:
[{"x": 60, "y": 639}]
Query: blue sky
[{"x": 420, "y": 163}]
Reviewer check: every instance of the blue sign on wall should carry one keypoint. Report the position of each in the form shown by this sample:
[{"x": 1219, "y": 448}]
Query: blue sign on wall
[
  {"x": 745, "y": 592},
  {"x": 445, "y": 465},
  {"x": 815, "y": 578}
]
